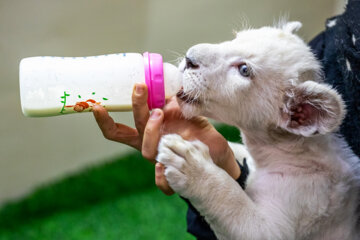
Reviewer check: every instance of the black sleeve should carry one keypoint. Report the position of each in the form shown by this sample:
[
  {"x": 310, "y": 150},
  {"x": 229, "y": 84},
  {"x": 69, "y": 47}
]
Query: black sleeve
[
  {"x": 338, "y": 49},
  {"x": 196, "y": 224}
]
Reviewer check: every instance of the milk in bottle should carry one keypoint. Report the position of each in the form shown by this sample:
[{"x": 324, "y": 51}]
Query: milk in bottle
[{"x": 51, "y": 86}]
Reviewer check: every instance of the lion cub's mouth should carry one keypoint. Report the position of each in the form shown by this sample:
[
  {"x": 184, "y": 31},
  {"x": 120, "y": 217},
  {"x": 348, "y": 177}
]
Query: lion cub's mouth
[{"x": 186, "y": 97}]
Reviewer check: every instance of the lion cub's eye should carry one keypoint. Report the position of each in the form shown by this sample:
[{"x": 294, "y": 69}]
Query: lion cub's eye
[{"x": 244, "y": 70}]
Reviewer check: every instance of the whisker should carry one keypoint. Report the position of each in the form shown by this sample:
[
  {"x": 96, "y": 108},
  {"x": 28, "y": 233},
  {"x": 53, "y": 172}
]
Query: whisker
[{"x": 178, "y": 57}]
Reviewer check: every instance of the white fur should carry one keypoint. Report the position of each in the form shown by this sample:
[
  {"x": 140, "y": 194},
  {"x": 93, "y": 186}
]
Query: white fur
[{"x": 306, "y": 183}]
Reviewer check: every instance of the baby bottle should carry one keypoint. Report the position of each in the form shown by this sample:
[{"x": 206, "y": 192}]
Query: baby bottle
[{"x": 51, "y": 86}]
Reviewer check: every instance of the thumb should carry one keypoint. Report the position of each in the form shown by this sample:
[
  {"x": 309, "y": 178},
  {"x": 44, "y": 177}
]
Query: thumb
[{"x": 152, "y": 134}]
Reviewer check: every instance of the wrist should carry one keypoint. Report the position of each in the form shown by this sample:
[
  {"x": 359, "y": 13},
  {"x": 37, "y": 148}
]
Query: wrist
[{"x": 230, "y": 165}]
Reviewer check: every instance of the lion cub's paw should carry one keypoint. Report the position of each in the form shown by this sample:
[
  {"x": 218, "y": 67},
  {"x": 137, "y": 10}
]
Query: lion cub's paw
[{"x": 185, "y": 163}]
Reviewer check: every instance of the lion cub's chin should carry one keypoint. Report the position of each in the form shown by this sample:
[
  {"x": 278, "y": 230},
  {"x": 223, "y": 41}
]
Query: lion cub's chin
[{"x": 190, "y": 110}]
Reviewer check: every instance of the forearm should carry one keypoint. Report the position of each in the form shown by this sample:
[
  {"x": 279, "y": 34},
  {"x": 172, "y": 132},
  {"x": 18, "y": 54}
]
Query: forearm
[
  {"x": 235, "y": 153},
  {"x": 232, "y": 214},
  {"x": 229, "y": 164},
  {"x": 226, "y": 207}
]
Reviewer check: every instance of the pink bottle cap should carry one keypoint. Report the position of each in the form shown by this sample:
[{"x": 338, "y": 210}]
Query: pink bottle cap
[{"x": 154, "y": 79}]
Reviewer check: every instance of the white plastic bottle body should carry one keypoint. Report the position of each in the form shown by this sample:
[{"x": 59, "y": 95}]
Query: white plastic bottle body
[{"x": 51, "y": 86}]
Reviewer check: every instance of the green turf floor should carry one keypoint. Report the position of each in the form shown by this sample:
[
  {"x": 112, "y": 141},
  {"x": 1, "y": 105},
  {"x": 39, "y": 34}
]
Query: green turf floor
[
  {"x": 143, "y": 215},
  {"x": 117, "y": 200}
]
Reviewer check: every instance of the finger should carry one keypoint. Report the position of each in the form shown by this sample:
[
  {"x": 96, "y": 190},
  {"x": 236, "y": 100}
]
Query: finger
[
  {"x": 103, "y": 119},
  {"x": 172, "y": 105},
  {"x": 161, "y": 181},
  {"x": 152, "y": 134},
  {"x": 172, "y": 100},
  {"x": 140, "y": 107},
  {"x": 115, "y": 131}
]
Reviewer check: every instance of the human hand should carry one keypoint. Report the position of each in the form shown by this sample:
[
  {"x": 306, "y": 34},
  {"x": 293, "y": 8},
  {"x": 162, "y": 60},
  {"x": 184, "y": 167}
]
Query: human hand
[{"x": 149, "y": 129}]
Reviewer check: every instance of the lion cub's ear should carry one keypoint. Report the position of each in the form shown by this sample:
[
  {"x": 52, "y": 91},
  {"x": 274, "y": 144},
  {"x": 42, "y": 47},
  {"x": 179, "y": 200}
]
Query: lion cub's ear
[
  {"x": 292, "y": 27},
  {"x": 311, "y": 108}
]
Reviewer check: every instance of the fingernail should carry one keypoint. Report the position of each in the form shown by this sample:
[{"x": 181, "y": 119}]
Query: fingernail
[
  {"x": 139, "y": 89},
  {"x": 158, "y": 169},
  {"x": 155, "y": 114}
]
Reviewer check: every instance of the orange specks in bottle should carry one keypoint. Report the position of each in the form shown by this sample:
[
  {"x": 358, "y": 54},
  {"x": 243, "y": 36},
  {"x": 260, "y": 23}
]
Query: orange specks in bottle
[
  {"x": 91, "y": 100},
  {"x": 81, "y": 106}
]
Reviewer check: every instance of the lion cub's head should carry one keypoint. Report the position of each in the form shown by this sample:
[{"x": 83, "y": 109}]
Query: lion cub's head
[{"x": 264, "y": 77}]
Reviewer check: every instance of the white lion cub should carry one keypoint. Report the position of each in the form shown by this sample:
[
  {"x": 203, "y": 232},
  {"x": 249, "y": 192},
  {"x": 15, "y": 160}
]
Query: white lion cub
[{"x": 268, "y": 83}]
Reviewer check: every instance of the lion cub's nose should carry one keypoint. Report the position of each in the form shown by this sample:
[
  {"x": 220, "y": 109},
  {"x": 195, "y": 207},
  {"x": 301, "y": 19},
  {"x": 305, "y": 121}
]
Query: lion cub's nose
[{"x": 190, "y": 64}]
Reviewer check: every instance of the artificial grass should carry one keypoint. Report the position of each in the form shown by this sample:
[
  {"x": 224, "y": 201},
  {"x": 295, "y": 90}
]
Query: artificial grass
[
  {"x": 143, "y": 215},
  {"x": 117, "y": 200}
]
